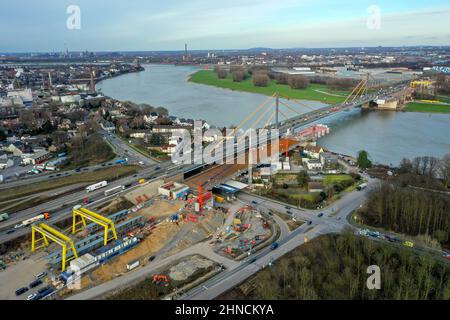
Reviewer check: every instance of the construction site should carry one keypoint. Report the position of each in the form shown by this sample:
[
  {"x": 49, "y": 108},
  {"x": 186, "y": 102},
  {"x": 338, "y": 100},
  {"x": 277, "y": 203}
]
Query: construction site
[{"x": 154, "y": 221}]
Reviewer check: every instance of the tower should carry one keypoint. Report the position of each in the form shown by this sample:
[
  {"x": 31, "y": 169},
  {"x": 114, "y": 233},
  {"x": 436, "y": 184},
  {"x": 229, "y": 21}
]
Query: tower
[{"x": 92, "y": 72}]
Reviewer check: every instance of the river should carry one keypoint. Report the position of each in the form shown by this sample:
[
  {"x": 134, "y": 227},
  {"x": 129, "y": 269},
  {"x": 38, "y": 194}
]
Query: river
[{"x": 387, "y": 136}]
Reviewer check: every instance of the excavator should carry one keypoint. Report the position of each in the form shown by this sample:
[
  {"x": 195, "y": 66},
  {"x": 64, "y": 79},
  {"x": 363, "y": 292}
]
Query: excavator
[{"x": 160, "y": 279}]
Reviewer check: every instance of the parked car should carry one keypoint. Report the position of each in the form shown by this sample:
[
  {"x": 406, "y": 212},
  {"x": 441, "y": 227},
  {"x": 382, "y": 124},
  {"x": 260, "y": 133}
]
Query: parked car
[
  {"x": 320, "y": 215},
  {"x": 151, "y": 258},
  {"x": 35, "y": 283},
  {"x": 40, "y": 275},
  {"x": 32, "y": 296},
  {"x": 44, "y": 289},
  {"x": 21, "y": 291}
]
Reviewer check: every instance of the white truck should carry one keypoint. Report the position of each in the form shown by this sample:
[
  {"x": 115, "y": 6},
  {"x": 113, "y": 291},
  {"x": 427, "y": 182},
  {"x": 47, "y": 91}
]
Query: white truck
[
  {"x": 96, "y": 186},
  {"x": 362, "y": 186}
]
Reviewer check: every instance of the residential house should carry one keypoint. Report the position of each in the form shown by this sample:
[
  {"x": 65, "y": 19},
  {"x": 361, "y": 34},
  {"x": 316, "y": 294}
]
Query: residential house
[
  {"x": 313, "y": 151},
  {"x": 313, "y": 164},
  {"x": 14, "y": 149},
  {"x": 138, "y": 134}
]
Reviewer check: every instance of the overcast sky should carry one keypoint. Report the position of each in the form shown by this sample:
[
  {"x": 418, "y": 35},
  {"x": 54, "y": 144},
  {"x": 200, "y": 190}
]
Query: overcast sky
[{"x": 132, "y": 25}]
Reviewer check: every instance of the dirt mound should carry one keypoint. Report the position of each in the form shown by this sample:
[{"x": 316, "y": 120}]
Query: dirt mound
[{"x": 187, "y": 268}]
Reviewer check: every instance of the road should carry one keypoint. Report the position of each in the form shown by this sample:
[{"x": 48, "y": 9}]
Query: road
[{"x": 237, "y": 272}]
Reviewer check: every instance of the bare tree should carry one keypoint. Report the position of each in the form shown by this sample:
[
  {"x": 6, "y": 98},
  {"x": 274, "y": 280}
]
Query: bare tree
[
  {"x": 238, "y": 75},
  {"x": 260, "y": 79},
  {"x": 444, "y": 170},
  {"x": 222, "y": 73},
  {"x": 298, "y": 82}
]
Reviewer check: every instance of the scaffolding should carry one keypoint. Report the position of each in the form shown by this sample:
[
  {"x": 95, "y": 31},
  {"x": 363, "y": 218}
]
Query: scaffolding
[
  {"x": 79, "y": 217},
  {"x": 48, "y": 233}
]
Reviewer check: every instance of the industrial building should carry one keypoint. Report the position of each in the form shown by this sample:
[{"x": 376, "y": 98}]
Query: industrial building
[{"x": 173, "y": 190}]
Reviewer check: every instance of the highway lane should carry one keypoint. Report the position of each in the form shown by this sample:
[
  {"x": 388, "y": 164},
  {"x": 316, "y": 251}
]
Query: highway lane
[{"x": 60, "y": 208}]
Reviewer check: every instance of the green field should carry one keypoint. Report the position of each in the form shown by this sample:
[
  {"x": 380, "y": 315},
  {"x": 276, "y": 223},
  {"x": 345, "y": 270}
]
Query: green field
[
  {"x": 428, "y": 107},
  {"x": 336, "y": 178},
  {"x": 311, "y": 93}
]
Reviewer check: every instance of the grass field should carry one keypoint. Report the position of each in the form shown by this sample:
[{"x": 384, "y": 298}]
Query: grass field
[
  {"x": 428, "y": 107},
  {"x": 103, "y": 174},
  {"x": 332, "y": 179},
  {"x": 443, "y": 99},
  {"x": 311, "y": 93}
]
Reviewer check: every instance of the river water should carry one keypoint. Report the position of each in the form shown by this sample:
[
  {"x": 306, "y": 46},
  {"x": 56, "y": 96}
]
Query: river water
[{"x": 387, "y": 136}]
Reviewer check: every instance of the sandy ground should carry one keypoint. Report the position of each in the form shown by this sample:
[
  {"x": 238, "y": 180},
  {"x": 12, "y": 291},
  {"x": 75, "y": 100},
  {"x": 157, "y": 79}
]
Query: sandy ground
[
  {"x": 161, "y": 208},
  {"x": 145, "y": 192},
  {"x": 188, "y": 267}
]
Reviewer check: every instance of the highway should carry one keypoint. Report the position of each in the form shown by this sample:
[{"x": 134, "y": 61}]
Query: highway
[
  {"x": 121, "y": 149},
  {"x": 60, "y": 208}
]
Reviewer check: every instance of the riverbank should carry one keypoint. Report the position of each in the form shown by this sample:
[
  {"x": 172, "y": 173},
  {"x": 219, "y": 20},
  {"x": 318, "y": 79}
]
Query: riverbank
[
  {"x": 315, "y": 92},
  {"x": 428, "y": 107}
]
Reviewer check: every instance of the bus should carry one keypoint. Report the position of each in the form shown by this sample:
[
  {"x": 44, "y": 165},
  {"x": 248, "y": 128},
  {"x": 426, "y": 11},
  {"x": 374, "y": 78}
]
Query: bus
[
  {"x": 96, "y": 186},
  {"x": 114, "y": 190}
]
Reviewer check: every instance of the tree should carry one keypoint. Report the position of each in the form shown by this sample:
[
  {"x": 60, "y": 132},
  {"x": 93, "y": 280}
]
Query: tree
[
  {"x": 298, "y": 82},
  {"x": 444, "y": 170},
  {"x": 222, "y": 74},
  {"x": 281, "y": 78},
  {"x": 260, "y": 79},
  {"x": 238, "y": 75},
  {"x": 363, "y": 160},
  {"x": 405, "y": 166},
  {"x": 302, "y": 178},
  {"x": 156, "y": 139}
]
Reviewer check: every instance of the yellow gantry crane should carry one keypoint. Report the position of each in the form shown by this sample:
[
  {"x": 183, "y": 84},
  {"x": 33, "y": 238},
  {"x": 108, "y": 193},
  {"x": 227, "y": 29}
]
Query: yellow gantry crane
[
  {"x": 79, "y": 217},
  {"x": 48, "y": 233}
]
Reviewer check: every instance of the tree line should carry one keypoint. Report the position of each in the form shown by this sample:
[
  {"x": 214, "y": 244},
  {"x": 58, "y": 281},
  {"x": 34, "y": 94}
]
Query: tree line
[
  {"x": 335, "y": 267},
  {"x": 262, "y": 76}
]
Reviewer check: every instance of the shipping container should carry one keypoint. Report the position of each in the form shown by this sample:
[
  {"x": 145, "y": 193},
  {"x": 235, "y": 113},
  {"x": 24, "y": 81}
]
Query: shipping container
[{"x": 133, "y": 265}]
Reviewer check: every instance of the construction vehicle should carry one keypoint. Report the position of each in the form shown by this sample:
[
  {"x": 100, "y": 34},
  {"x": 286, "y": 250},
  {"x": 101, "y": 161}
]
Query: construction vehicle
[{"x": 160, "y": 279}]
